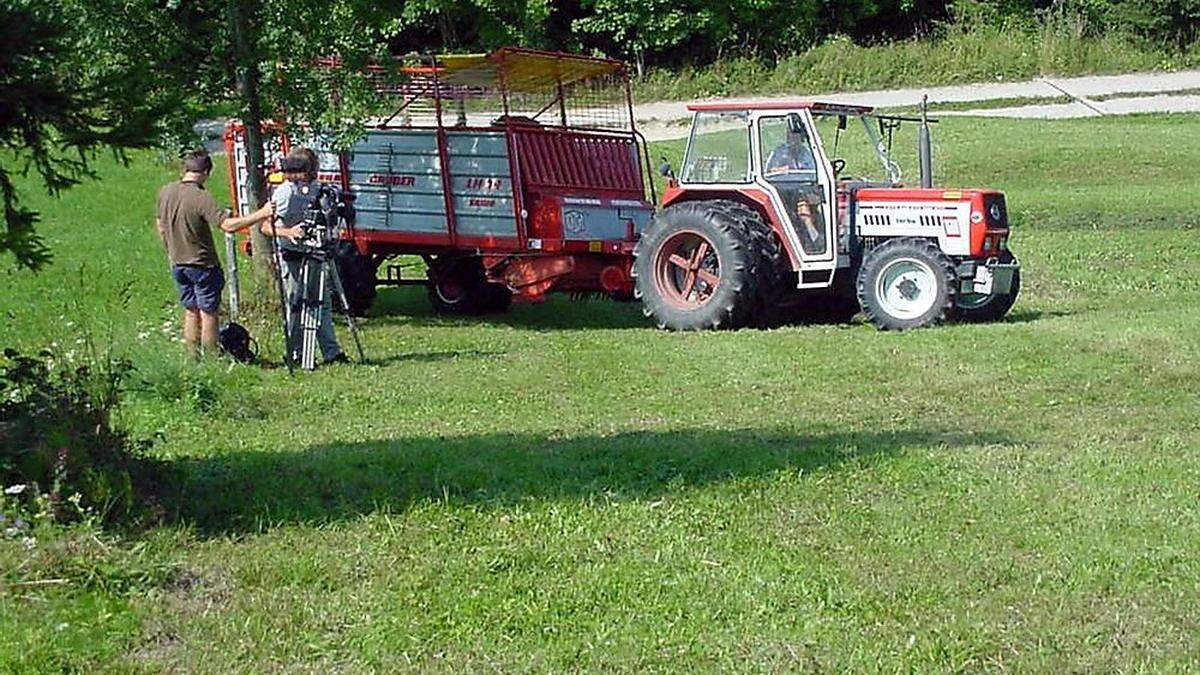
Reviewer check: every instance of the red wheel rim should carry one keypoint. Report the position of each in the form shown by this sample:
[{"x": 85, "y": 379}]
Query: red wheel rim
[
  {"x": 449, "y": 283},
  {"x": 687, "y": 269},
  {"x": 450, "y": 291}
]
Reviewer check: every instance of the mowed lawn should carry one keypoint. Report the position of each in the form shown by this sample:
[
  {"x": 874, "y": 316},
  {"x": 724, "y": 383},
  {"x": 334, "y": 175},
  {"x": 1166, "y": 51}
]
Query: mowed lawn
[{"x": 566, "y": 488}]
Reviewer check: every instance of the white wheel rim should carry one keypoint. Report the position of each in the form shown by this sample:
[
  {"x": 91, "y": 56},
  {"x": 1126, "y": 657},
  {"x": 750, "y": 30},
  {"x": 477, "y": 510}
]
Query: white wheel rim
[{"x": 907, "y": 288}]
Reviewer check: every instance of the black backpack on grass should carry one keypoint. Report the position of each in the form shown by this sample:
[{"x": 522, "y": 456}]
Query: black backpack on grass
[{"x": 235, "y": 341}]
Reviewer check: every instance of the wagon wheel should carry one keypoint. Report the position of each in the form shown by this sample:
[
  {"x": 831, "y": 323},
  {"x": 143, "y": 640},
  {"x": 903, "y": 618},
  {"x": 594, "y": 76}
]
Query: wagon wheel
[{"x": 458, "y": 285}]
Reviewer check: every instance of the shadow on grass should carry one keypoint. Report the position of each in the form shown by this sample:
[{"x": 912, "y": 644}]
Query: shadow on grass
[
  {"x": 1032, "y": 315},
  {"x": 409, "y": 306},
  {"x": 249, "y": 491},
  {"x": 428, "y": 357}
]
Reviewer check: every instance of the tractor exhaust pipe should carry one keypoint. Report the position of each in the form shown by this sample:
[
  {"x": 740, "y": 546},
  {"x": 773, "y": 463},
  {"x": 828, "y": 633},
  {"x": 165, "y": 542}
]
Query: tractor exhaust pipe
[{"x": 925, "y": 146}]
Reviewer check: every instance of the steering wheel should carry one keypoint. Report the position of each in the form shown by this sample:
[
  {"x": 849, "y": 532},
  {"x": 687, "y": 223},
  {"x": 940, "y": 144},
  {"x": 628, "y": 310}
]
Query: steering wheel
[{"x": 838, "y": 165}]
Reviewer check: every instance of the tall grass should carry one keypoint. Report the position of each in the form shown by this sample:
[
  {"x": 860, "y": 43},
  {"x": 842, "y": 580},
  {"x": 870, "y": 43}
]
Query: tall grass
[{"x": 956, "y": 55}]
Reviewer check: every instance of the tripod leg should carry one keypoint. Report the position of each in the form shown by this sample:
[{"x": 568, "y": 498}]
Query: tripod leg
[
  {"x": 284, "y": 300},
  {"x": 310, "y": 311},
  {"x": 341, "y": 293}
]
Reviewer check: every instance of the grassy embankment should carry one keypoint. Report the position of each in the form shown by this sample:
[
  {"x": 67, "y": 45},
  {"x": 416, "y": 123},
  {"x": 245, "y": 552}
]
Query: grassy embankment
[
  {"x": 956, "y": 56},
  {"x": 565, "y": 487}
]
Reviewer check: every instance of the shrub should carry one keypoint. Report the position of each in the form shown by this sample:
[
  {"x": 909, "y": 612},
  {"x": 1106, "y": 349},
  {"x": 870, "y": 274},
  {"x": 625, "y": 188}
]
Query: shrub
[{"x": 57, "y": 436}]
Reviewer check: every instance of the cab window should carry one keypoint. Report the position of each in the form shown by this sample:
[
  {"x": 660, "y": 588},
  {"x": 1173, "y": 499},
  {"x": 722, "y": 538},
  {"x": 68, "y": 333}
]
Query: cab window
[
  {"x": 719, "y": 149},
  {"x": 786, "y": 150}
]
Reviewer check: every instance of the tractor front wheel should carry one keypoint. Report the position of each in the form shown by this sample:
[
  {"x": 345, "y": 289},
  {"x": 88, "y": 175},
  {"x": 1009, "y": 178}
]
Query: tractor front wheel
[
  {"x": 698, "y": 268},
  {"x": 977, "y": 307},
  {"x": 906, "y": 283},
  {"x": 459, "y": 285}
]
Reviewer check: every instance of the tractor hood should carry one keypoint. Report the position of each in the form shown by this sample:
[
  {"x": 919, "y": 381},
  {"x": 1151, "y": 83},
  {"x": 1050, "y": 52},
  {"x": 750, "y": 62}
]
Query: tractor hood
[{"x": 978, "y": 218}]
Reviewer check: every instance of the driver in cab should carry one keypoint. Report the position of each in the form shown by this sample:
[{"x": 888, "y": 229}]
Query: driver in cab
[
  {"x": 792, "y": 155},
  {"x": 795, "y": 156}
]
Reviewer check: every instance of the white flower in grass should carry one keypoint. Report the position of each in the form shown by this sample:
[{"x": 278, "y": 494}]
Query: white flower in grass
[
  {"x": 14, "y": 489},
  {"x": 11, "y": 532},
  {"x": 29, "y": 543}
]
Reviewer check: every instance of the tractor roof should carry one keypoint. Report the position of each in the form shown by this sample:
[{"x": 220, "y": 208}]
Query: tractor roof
[{"x": 780, "y": 104}]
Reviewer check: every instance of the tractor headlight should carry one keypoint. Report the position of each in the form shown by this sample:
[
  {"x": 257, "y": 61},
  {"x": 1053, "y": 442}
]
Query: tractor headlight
[{"x": 995, "y": 212}]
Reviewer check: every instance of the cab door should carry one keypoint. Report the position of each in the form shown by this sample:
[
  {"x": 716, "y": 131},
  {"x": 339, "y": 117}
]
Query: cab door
[{"x": 791, "y": 167}]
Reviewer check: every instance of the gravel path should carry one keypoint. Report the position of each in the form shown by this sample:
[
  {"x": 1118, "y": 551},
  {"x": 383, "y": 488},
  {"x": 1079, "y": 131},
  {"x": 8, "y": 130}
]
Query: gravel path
[
  {"x": 665, "y": 120},
  {"x": 1149, "y": 92}
]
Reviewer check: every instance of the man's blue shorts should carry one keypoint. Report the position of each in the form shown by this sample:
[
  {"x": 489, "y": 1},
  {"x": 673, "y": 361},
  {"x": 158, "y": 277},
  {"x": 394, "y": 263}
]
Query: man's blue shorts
[{"x": 199, "y": 287}]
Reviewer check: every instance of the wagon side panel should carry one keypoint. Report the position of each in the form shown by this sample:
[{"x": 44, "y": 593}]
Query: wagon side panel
[
  {"x": 396, "y": 178},
  {"x": 481, "y": 187}
]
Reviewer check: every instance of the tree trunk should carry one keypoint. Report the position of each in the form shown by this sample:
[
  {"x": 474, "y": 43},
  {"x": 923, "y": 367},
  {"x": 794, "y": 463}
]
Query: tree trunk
[{"x": 246, "y": 74}]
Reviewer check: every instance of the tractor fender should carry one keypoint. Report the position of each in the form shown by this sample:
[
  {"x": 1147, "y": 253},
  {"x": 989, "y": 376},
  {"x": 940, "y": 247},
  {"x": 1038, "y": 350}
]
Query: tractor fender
[{"x": 753, "y": 199}]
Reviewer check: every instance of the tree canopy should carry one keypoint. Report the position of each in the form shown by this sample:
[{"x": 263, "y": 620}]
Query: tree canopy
[
  {"x": 63, "y": 101},
  {"x": 80, "y": 76}
]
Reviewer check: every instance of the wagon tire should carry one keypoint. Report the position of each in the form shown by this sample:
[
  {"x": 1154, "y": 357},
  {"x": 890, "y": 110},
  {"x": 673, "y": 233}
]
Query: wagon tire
[
  {"x": 906, "y": 283},
  {"x": 459, "y": 285},
  {"x": 700, "y": 266},
  {"x": 357, "y": 273}
]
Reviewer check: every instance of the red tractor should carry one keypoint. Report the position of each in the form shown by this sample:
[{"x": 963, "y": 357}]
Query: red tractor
[
  {"x": 518, "y": 173},
  {"x": 765, "y": 224}
]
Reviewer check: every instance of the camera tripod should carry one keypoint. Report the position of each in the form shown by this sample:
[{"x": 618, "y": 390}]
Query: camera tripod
[{"x": 318, "y": 276}]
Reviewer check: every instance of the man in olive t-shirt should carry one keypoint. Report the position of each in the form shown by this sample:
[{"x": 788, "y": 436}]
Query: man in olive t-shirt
[{"x": 185, "y": 216}]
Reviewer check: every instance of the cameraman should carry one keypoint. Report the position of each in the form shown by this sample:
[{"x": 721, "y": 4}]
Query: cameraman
[{"x": 291, "y": 200}]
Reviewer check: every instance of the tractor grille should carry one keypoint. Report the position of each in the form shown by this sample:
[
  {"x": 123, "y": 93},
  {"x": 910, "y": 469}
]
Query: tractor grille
[{"x": 997, "y": 212}]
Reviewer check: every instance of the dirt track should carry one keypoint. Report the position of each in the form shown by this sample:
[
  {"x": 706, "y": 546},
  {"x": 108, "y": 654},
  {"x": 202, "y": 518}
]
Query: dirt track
[{"x": 1131, "y": 93}]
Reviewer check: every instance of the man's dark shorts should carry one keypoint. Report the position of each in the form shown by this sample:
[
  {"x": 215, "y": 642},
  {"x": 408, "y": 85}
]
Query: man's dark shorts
[{"x": 199, "y": 287}]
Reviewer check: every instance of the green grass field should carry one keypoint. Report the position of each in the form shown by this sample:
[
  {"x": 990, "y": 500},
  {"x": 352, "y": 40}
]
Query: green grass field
[{"x": 566, "y": 488}]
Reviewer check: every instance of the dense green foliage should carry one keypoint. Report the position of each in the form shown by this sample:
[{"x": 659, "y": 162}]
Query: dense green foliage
[
  {"x": 954, "y": 56},
  {"x": 62, "y": 101},
  {"x": 697, "y": 32},
  {"x": 57, "y": 437},
  {"x": 566, "y": 488}
]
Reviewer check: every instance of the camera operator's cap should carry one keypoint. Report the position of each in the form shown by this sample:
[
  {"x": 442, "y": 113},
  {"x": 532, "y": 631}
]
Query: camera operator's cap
[{"x": 294, "y": 165}]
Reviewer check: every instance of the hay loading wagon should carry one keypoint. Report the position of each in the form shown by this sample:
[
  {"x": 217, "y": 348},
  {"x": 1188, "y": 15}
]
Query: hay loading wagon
[{"x": 512, "y": 174}]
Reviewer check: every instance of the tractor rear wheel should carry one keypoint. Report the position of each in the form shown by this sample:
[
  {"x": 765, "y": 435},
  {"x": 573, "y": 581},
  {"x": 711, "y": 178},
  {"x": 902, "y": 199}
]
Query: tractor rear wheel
[
  {"x": 906, "y": 283},
  {"x": 977, "y": 307},
  {"x": 459, "y": 285},
  {"x": 700, "y": 265},
  {"x": 357, "y": 274}
]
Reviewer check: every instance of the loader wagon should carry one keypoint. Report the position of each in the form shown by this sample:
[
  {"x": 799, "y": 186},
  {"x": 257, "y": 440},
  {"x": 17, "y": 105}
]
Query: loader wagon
[{"x": 512, "y": 174}]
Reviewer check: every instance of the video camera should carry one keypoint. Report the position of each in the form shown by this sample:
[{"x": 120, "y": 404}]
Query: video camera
[{"x": 323, "y": 217}]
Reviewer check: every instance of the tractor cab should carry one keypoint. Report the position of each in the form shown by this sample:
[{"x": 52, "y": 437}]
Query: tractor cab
[
  {"x": 814, "y": 192},
  {"x": 803, "y": 160}
]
